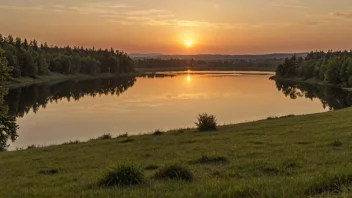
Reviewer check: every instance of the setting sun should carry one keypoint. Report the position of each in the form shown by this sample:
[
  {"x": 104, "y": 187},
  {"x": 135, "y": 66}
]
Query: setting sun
[{"x": 189, "y": 43}]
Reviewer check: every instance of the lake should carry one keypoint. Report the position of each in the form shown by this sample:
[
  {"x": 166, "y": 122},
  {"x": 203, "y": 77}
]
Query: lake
[{"x": 54, "y": 113}]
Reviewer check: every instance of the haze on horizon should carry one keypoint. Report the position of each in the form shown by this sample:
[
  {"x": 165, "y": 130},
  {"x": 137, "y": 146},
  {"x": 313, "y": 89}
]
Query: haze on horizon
[{"x": 184, "y": 27}]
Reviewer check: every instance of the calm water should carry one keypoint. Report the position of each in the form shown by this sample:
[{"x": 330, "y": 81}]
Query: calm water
[{"x": 52, "y": 114}]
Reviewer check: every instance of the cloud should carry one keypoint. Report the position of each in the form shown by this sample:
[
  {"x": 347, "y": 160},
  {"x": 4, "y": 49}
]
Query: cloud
[
  {"x": 341, "y": 15},
  {"x": 289, "y": 6},
  {"x": 130, "y": 15}
]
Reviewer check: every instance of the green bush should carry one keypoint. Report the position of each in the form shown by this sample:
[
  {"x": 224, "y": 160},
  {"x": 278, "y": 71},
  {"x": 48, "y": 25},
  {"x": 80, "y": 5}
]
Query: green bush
[
  {"x": 206, "y": 122},
  {"x": 174, "y": 172},
  {"x": 123, "y": 175}
]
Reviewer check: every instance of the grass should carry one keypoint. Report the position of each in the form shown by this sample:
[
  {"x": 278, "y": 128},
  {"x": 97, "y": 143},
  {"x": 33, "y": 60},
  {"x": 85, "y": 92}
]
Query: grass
[
  {"x": 128, "y": 140},
  {"x": 125, "y": 135},
  {"x": 284, "y": 157},
  {"x": 49, "y": 171},
  {"x": 151, "y": 167},
  {"x": 123, "y": 175},
  {"x": 206, "y": 159},
  {"x": 174, "y": 172}
]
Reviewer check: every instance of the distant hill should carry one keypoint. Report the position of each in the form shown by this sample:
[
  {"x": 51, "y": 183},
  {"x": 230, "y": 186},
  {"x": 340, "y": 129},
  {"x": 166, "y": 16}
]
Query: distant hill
[{"x": 217, "y": 56}]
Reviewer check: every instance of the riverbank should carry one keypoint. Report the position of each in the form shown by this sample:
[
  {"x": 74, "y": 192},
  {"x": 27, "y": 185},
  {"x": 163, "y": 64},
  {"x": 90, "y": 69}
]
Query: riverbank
[
  {"x": 56, "y": 78},
  {"x": 311, "y": 81},
  {"x": 293, "y": 156}
]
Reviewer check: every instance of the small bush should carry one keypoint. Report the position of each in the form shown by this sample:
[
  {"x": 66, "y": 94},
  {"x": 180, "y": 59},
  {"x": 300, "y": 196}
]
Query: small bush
[
  {"x": 205, "y": 159},
  {"x": 105, "y": 137},
  {"x": 123, "y": 135},
  {"x": 31, "y": 146},
  {"x": 158, "y": 132},
  {"x": 206, "y": 122},
  {"x": 337, "y": 143},
  {"x": 123, "y": 175},
  {"x": 151, "y": 167},
  {"x": 174, "y": 172},
  {"x": 128, "y": 140}
]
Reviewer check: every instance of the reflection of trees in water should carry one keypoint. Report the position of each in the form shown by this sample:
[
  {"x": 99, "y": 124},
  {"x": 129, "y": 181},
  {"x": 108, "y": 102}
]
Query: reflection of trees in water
[
  {"x": 22, "y": 100},
  {"x": 8, "y": 127},
  {"x": 333, "y": 98}
]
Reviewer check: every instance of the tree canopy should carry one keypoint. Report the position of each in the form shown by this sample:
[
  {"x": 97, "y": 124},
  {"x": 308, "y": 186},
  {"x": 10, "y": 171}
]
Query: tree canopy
[
  {"x": 29, "y": 58},
  {"x": 331, "y": 67}
]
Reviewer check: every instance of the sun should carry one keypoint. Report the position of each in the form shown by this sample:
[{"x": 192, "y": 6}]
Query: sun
[{"x": 189, "y": 43}]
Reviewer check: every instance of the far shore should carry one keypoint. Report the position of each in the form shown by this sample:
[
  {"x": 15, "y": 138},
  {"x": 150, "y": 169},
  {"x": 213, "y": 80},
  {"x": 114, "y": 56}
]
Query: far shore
[
  {"x": 311, "y": 81},
  {"x": 56, "y": 78}
]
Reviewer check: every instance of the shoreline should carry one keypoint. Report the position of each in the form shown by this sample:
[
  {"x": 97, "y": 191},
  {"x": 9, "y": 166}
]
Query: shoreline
[
  {"x": 311, "y": 81},
  {"x": 56, "y": 78}
]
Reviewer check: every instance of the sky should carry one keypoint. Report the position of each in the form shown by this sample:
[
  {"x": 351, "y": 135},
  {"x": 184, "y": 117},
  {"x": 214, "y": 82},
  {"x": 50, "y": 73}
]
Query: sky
[{"x": 183, "y": 26}]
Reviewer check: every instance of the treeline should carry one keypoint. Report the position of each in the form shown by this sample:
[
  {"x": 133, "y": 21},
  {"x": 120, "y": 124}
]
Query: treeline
[
  {"x": 330, "y": 67},
  {"x": 22, "y": 100},
  {"x": 239, "y": 64},
  {"x": 29, "y": 58}
]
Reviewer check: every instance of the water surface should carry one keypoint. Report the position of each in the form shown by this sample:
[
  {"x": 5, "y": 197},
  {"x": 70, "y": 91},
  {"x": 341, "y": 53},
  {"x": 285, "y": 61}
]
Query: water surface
[{"x": 56, "y": 113}]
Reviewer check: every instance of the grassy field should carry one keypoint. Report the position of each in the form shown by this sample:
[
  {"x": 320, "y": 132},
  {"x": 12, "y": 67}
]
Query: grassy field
[{"x": 299, "y": 156}]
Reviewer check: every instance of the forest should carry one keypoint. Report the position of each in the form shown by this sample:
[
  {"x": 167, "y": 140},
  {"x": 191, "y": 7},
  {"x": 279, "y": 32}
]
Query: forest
[
  {"x": 29, "y": 59},
  {"x": 329, "y": 67}
]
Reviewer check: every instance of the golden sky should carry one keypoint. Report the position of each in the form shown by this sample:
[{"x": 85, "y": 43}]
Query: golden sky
[{"x": 163, "y": 26}]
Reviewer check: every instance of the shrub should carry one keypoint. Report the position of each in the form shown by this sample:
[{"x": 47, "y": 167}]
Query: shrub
[
  {"x": 123, "y": 175},
  {"x": 105, "y": 137},
  {"x": 158, "y": 132},
  {"x": 205, "y": 159},
  {"x": 206, "y": 122},
  {"x": 31, "y": 146},
  {"x": 174, "y": 172}
]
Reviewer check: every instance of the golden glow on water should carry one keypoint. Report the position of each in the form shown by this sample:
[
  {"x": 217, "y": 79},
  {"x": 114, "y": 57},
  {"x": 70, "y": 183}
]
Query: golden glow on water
[
  {"x": 189, "y": 78},
  {"x": 168, "y": 103}
]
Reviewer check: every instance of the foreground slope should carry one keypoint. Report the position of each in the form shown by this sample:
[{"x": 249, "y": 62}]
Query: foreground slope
[{"x": 301, "y": 156}]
